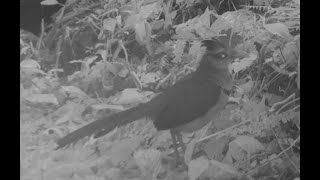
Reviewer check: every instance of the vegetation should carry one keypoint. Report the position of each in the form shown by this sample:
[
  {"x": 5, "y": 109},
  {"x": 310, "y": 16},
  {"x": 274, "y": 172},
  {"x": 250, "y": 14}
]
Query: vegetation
[{"x": 103, "y": 56}]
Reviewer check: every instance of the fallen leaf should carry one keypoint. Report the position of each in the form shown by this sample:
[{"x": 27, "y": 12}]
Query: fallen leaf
[
  {"x": 69, "y": 112},
  {"x": 242, "y": 64},
  {"x": 214, "y": 148},
  {"x": 240, "y": 150},
  {"x": 218, "y": 170},
  {"x": 109, "y": 24},
  {"x": 31, "y": 66},
  {"x": 129, "y": 96},
  {"x": 42, "y": 99},
  {"x": 107, "y": 106},
  {"x": 197, "y": 167},
  {"x": 73, "y": 91},
  {"x": 279, "y": 29},
  {"x": 49, "y": 2},
  {"x": 249, "y": 144}
]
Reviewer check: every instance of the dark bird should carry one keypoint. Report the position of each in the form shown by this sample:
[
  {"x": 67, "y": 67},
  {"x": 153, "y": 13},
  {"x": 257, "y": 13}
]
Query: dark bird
[{"x": 185, "y": 107}]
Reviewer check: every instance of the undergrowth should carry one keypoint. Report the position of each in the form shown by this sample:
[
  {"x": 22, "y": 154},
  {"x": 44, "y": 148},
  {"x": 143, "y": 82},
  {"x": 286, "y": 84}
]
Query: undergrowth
[{"x": 101, "y": 57}]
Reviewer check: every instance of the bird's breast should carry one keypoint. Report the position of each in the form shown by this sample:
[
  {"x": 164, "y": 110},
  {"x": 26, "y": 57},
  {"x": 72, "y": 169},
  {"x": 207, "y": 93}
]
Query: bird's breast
[{"x": 203, "y": 120}]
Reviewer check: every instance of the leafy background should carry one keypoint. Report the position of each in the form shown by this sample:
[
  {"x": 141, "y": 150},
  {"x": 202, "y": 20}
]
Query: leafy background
[{"x": 100, "y": 57}]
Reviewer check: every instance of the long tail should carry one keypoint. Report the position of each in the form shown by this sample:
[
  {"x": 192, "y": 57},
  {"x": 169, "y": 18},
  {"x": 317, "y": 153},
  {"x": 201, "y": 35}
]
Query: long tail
[{"x": 104, "y": 125}]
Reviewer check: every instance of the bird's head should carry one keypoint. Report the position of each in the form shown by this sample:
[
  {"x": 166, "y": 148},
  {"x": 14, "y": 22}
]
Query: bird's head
[{"x": 215, "y": 62}]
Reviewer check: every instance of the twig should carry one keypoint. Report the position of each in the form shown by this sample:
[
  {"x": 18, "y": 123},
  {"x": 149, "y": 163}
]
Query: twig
[
  {"x": 41, "y": 35},
  {"x": 58, "y": 54},
  {"x": 267, "y": 84},
  {"x": 163, "y": 81},
  {"x": 281, "y": 102},
  {"x": 293, "y": 109},
  {"x": 278, "y": 69},
  {"x": 212, "y": 135},
  {"x": 287, "y": 105},
  {"x": 231, "y": 34}
]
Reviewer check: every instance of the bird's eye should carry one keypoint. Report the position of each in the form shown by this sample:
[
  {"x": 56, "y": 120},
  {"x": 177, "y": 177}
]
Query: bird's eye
[{"x": 221, "y": 55}]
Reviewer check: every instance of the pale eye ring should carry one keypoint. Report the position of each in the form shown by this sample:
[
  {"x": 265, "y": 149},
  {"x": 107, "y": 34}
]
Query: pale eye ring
[{"x": 222, "y": 55}]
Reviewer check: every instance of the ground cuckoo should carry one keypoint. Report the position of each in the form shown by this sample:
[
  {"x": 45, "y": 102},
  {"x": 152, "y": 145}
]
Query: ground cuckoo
[{"x": 186, "y": 106}]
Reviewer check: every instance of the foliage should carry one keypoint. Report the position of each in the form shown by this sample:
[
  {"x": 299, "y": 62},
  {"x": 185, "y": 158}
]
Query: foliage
[{"x": 262, "y": 129}]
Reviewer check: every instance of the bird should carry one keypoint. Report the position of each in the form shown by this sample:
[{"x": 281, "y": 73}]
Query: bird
[{"x": 186, "y": 106}]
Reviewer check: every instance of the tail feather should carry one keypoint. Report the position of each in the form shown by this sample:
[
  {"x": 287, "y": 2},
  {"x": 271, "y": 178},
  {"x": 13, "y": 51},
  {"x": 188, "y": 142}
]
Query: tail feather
[{"x": 104, "y": 125}]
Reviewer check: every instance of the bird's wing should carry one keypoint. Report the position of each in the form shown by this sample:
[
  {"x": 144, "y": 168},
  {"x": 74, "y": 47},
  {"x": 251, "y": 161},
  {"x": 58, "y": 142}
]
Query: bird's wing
[{"x": 187, "y": 101}]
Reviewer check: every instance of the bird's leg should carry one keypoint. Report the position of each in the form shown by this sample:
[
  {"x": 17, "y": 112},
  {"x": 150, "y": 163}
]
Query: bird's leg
[
  {"x": 176, "y": 136},
  {"x": 179, "y": 137},
  {"x": 174, "y": 140}
]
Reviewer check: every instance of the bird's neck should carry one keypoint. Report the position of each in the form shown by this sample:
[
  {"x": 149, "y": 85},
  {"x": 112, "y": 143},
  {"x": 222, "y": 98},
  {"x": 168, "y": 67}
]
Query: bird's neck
[{"x": 221, "y": 77}]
